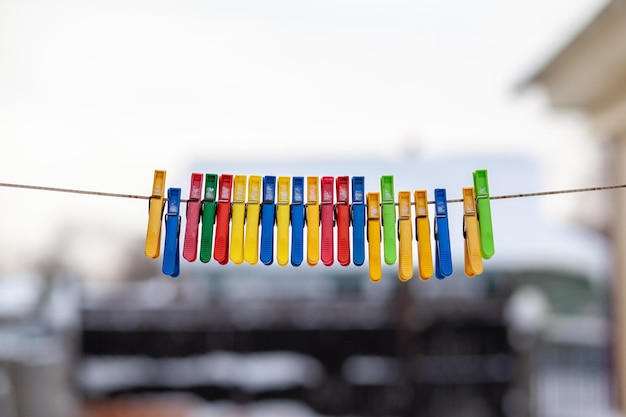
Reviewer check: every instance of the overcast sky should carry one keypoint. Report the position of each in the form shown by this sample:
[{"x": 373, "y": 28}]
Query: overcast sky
[{"x": 96, "y": 95}]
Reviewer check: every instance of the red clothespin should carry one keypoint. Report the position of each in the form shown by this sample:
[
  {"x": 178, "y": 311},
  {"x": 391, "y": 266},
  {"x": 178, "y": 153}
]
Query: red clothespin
[
  {"x": 343, "y": 220},
  {"x": 328, "y": 221},
  {"x": 222, "y": 227},
  {"x": 190, "y": 247}
]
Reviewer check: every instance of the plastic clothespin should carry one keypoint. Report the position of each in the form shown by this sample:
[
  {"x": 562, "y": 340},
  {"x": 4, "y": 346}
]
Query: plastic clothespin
[
  {"x": 190, "y": 246},
  {"x": 358, "y": 220},
  {"x": 483, "y": 207},
  {"x": 268, "y": 213},
  {"x": 313, "y": 221},
  {"x": 473, "y": 258},
  {"x": 222, "y": 226},
  {"x": 297, "y": 221},
  {"x": 171, "y": 253},
  {"x": 153, "y": 235},
  {"x": 343, "y": 220},
  {"x": 373, "y": 235},
  {"x": 253, "y": 210},
  {"x": 405, "y": 236},
  {"x": 282, "y": 221},
  {"x": 443, "y": 254},
  {"x": 238, "y": 213},
  {"x": 208, "y": 217},
  {"x": 388, "y": 218},
  {"x": 422, "y": 235},
  {"x": 328, "y": 221}
]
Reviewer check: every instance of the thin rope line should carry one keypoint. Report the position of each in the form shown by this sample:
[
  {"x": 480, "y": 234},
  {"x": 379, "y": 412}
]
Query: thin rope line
[{"x": 72, "y": 191}]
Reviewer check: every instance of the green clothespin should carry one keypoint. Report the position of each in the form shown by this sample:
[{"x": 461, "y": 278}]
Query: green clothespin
[
  {"x": 208, "y": 217},
  {"x": 389, "y": 218},
  {"x": 483, "y": 206}
]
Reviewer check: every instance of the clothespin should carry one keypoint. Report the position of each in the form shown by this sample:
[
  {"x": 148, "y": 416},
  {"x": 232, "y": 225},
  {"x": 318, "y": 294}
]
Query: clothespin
[
  {"x": 268, "y": 212},
  {"x": 220, "y": 253},
  {"x": 443, "y": 254},
  {"x": 483, "y": 207},
  {"x": 297, "y": 221},
  {"x": 473, "y": 259},
  {"x": 422, "y": 235},
  {"x": 238, "y": 213},
  {"x": 190, "y": 247},
  {"x": 153, "y": 236},
  {"x": 208, "y": 217},
  {"x": 358, "y": 220},
  {"x": 328, "y": 221},
  {"x": 373, "y": 235},
  {"x": 253, "y": 218},
  {"x": 343, "y": 220},
  {"x": 405, "y": 236},
  {"x": 282, "y": 222},
  {"x": 313, "y": 221},
  {"x": 389, "y": 218},
  {"x": 171, "y": 255}
]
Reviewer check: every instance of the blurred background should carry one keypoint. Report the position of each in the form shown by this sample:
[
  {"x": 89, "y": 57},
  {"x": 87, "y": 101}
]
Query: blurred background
[{"x": 96, "y": 95}]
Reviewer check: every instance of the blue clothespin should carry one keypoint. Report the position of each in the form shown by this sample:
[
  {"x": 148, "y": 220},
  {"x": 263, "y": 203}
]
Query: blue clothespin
[
  {"x": 443, "y": 254},
  {"x": 358, "y": 220},
  {"x": 268, "y": 219},
  {"x": 297, "y": 221},
  {"x": 171, "y": 254}
]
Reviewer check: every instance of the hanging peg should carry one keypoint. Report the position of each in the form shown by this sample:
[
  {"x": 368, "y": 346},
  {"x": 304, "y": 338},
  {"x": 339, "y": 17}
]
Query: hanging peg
[
  {"x": 297, "y": 221},
  {"x": 282, "y": 222},
  {"x": 268, "y": 219},
  {"x": 443, "y": 254},
  {"x": 153, "y": 235},
  {"x": 208, "y": 217},
  {"x": 328, "y": 221},
  {"x": 238, "y": 213},
  {"x": 472, "y": 255},
  {"x": 171, "y": 254},
  {"x": 358, "y": 220},
  {"x": 190, "y": 246},
  {"x": 405, "y": 236},
  {"x": 253, "y": 218},
  {"x": 222, "y": 227},
  {"x": 422, "y": 235},
  {"x": 388, "y": 219},
  {"x": 373, "y": 235},
  {"x": 343, "y": 220},
  {"x": 313, "y": 221},
  {"x": 483, "y": 207}
]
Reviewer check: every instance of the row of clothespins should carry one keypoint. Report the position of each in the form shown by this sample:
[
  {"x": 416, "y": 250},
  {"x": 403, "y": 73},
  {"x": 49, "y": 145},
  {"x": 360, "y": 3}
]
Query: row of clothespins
[{"x": 227, "y": 220}]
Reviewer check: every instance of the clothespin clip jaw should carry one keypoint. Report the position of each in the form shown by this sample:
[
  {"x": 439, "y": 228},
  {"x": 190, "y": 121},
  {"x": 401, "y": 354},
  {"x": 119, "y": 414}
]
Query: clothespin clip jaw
[
  {"x": 483, "y": 207},
  {"x": 388, "y": 219},
  {"x": 268, "y": 213},
  {"x": 253, "y": 219},
  {"x": 443, "y": 255},
  {"x": 297, "y": 221},
  {"x": 422, "y": 235},
  {"x": 313, "y": 221},
  {"x": 171, "y": 254},
  {"x": 374, "y": 236},
  {"x": 282, "y": 221},
  {"x": 328, "y": 221},
  {"x": 222, "y": 229},
  {"x": 473, "y": 258},
  {"x": 238, "y": 213},
  {"x": 358, "y": 220},
  {"x": 190, "y": 246},
  {"x": 152, "y": 247},
  {"x": 208, "y": 216},
  {"x": 405, "y": 236},
  {"x": 343, "y": 220}
]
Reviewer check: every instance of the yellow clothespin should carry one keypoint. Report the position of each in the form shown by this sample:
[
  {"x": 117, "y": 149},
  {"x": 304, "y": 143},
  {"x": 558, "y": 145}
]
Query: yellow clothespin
[
  {"x": 422, "y": 235},
  {"x": 251, "y": 247},
  {"x": 153, "y": 236},
  {"x": 238, "y": 213},
  {"x": 373, "y": 235},
  {"x": 405, "y": 236},
  {"x": 282, "y": 221},
  {"x": 473, "y": 257},
  {"x": 313, "y": 221}
]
